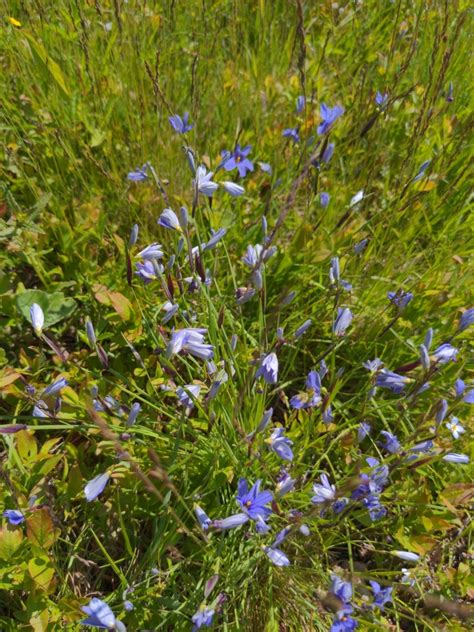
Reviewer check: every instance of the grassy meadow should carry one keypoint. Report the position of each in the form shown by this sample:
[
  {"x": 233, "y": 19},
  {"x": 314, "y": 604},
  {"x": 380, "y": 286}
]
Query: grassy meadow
[{"x": 149, "y": 364}]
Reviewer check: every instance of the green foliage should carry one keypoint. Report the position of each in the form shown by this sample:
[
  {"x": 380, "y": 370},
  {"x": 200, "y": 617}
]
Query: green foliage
[{"x": 87, "y": 89}]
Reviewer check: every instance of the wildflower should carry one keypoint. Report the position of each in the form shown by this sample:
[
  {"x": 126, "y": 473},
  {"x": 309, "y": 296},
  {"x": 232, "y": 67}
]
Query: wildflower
[
  {"x": 139, "y": 175},
  {"x": 203, "y": 616},
  {"x": 133, "y": 414},
  {"x": 300, "y": 104},
  {"x": 361, "y": 246},
  {"x": 188, "y": 394},
  {"x": 13, "y": 428},
  {"x": 343, "y": 320},
  {"x": 303, "y": 328},
  {"x": 147, "y": 271},
  {"x": 466, "y": 320},
  {"x": 449, "y": 96},
  {"x": 55, "y": 387},
  {"x": 268, "y": 369},
  {"x": 329, "y": 116},
  {"x": 407, "y": 577},
  {"x": 280, "y": 444},
  {"x": 244, "y": 294},
  {"x": 253, "y": 502},
  {"x": 202, "y": 517},
  {"x": 328, "y": 153},
  {"x": 285, "y": 485},
  {"x": 355, "y": 199},
  {"x": 233, "y": 189},
  {"x": 341, "y": 589},
  {"x": 455, "y": 427},
  {"x": 231, "y": 522},
  {"x": 424, "y": 357},
  {"x": 96, "y": 486},
  {"x": 133, "y": 236},
  {"x": 265, "y": 167},
  {"x": 381, "y": 99},
  {"x": 253, "y": 255},
  {"x": 445, "y": 353},
  {"x": 292, "y": 132},
  {"x": 170, "y": 311},
  {"x": 407, "y": 556},
  {"x": 381, "y": 595},
  {"x": 216, "y": 236},
  {"x": 334, "y": 273},
  {"x": 324, "y": 492},
  {"x": 388, "y": 379},
  {"x": 100, "y": 615},
  {"x": 276, "y": 556},
  {"x": 281, "y": 536},
  {"x": 169, "y": 219},
  {"x": 304, "y": 530},
  {"x": 460, "y": 388},
  {"x": 203, "y": 181},
  {"x": 180, "y": 125},
  {"x": 391, "y": 443},
  {"x": 343, "y": 623},
  {"x": 363, "y": 430},
  {"x": 324, "y": 199},
  {"x": 190, "y": 341},
  {"x": 312, "y": 396},
  {"x": 14, "y": 516},
  {"x": 91, "y": 337},
  {"x": 400, "y": 298},
  {"x": 40, "y": 410},
  {"x": 452, "y": 457},
  {"x": 428, "y": 338},
  {"x": 238, "y": 160},
  {"x": 153, "y": 251},
  {"x": 421, "y": 170},
  {"x": 128, "y": 605},
  {"x": 37, "y": 318}
]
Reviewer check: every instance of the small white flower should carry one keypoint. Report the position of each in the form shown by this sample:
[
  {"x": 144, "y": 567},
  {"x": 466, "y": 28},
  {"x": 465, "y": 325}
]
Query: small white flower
[
  {"x": 357, "y": 198},
  {"x": 37, "y": 318},
  {"x": 455, "y": 427}
]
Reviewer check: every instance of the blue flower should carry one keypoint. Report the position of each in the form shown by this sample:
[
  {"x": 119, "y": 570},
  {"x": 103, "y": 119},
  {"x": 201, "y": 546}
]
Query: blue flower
[
  {"x": 203, "y": 616},
  {"x": 324, "y": 199},
  {"x": 281, "y": 445},
  {"x": 14, "y": 516},
  {"x": 324, "y": 492},
  {"x": 169, "y": 219},
  {"x": 254, "y": 502},
  {"x": 300, "y": 104},
  {"x": 233, "y": 189},
  {"x": 190, "y": 340},
  {"x": 445, "y": 353},
  {"x": 467, "y": 319},
  {"x": 424, "y": 357},
  {"x": 361, "y": 246},
  {"x": 55, "y": 387},
  {"x": 388, "y": 379},
  {"x": 292, "y": 132},
  {"x": 133, "y": 414},
  {"x": 276, "y": 556},
  {"x": 285, "y": 484},
  {"x": 453, "y": 457},
  {"x": 153, "y": 251},
  {"x": 381, "y": 595},
  {"x": 343, "y": 623},
  {"x": 342, "y": 322},
  {"x": 421, "y": 170},
  {"x": 390, "y": 443},
  {"x": 238, "y": 160},
  {"x": 100, "y": 614},
  {"x": 253, "y": 255},
  {"x": 231, "y": 522},
  {"x": 341, "y": 589},
  {"x": 203, "y": 181},
  {"x": 139, "y": 175},
  {"x": 381, "y": 99},
  {"x": 363, "y": 430},
  {"x": 265, "y": 167},
  {"x": 202, "y": 517},
  {"x": 146, "y": 270},
  {"x": 400, "y": 298},
  {"x": 329, "y": 116},
  {"x": 268, "y": 369},
  {"x": 128, "y": 605},
  {"x": 37, "y": 318},
  {"x": 179, "y": 124},
  {"x": 328, "y": 153},
  {"x": 312, "y": 396},
  {"x": 460, "y": 388},
  {"x": 96, "y": 486},
  {"x": 216, "y": 236},
  {"x": 188, "y": 394}
]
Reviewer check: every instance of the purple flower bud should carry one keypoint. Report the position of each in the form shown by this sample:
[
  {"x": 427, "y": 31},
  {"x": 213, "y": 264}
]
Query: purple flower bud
[
  {"x": 133, "y": 414},
  {"x": 276, "y": 556},
  {"x": 467, "y": 319},
  {"x": 407, "y": 556},
  {"x": 428, "y": 339},
  {"x": 424, "y": 357},
  {"x": 202, "y": 517},
  {"x": 288, "y": 298},
  {"x": 233, "y": 189},
  {"x": 300, "y": 103},
  {"x": 210, "y": 585},
  {"x": 269, "y": 369},
  {"x": 343, "y": 320},
  {"x": 328, "y": 153},
  {"x": 441, "y": 411},
  {"x": 452, "y": 457},
  {"x": 169, "y": 219},
  {"x": 216, "y": 236},
  {"x": 133, "y": 236},
  {"x": 153, "y": 251},
  {"x": 91, "y": 337},
  {"x": 188, "y": 394},
  {"x": 303, "y": 328}
]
